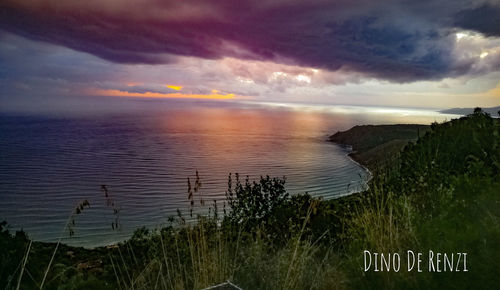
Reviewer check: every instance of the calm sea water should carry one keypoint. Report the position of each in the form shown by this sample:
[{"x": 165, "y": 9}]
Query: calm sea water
[{"x": 50, "y": 163}]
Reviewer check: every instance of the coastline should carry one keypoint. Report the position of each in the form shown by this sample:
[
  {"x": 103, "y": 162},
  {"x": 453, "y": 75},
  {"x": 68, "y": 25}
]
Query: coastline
[
  {"x": 376, "y": 146},
  {"x": 351, "y": 153},
  {"x": 362, "y": 165}
]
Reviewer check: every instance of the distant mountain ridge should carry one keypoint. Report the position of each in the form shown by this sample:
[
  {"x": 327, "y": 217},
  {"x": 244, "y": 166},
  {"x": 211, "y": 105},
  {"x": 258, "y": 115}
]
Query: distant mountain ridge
[{"x": 493, "y": 111}]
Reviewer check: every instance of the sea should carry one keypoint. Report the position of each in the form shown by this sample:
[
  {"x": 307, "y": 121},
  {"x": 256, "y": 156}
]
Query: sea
[{"x": 132, "y": 166}]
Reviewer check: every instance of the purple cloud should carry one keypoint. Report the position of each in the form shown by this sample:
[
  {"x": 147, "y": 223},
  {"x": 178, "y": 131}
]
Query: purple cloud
[{"x": 401, "y": 41}]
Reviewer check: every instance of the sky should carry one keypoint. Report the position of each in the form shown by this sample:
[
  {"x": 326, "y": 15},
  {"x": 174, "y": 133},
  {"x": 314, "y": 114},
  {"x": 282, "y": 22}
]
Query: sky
[{"x": 402, "y": 53}]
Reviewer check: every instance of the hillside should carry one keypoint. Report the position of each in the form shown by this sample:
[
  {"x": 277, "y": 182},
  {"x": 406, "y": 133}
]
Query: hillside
[{"x": 373, "y": 145}]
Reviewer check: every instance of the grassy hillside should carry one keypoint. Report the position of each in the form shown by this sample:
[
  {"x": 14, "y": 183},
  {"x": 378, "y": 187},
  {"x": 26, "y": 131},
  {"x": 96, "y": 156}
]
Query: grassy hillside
[
  {"x": 373, "y": 145},
  {"x": 440, "y": 194}
]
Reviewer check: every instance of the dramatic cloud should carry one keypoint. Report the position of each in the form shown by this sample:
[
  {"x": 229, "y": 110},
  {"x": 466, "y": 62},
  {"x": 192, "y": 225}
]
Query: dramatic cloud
[
  {"x": 400, "y": 41},
  {"x": 484, "y": 19}
]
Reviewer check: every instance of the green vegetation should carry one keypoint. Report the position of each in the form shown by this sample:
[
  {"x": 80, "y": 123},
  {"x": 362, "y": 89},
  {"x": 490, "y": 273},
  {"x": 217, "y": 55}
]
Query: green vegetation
[
  {"x": 373, "y": 146},
  {"x": 440, "y": 193}
]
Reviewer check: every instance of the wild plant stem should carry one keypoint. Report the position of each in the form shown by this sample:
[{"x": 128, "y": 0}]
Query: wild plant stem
[
  {"x": 116, "y": 273},
  {"x": 55, "y": 250},
  {"x": 24, "y": 265},
  {"x": 306, "y": 220},
  {"x": 165, "y": 259}
]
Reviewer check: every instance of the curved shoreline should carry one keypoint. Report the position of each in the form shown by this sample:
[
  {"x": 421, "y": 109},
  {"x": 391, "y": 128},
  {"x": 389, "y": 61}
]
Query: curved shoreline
[
  {"x": 366, "y": 181},
  {"x": 370, "y": 174},
  {"x": 375, "y": 145}
]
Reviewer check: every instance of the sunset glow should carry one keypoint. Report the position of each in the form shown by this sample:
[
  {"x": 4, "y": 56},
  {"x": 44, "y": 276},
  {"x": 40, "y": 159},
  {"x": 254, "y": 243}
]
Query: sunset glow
[
  {"x": 118, "y": 93},
  {"x": 177, "y": 88}
]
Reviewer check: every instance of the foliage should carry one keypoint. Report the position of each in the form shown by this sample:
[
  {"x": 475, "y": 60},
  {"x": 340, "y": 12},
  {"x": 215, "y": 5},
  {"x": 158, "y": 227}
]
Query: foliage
[
  {"x": 254, "y": 202},
  {"x": 441, "y": 193}
]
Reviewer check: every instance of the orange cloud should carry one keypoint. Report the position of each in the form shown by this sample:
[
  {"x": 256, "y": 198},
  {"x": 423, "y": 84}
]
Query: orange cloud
[
  {"x": 177, "y": 88},
  {"x": 119, "y": 93}
]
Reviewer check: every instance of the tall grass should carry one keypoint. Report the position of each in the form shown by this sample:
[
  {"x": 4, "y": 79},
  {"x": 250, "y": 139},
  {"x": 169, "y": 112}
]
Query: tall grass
[
  {"x": 212, "y": 251},
  {"x": 69, "y": 227},
  {"x": 25, "y": 259},
  {"x": 439, "y": 196}
]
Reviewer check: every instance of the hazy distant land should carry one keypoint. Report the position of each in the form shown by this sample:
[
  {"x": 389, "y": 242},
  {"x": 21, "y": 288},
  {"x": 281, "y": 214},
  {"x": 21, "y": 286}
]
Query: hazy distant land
[{"x": 493, "y": 111}]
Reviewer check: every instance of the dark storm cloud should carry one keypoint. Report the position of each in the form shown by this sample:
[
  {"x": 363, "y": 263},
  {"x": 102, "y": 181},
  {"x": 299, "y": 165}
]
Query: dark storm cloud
[
  {"x": 484, "y": 19},
  {"x": 400, "y": 41}
]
